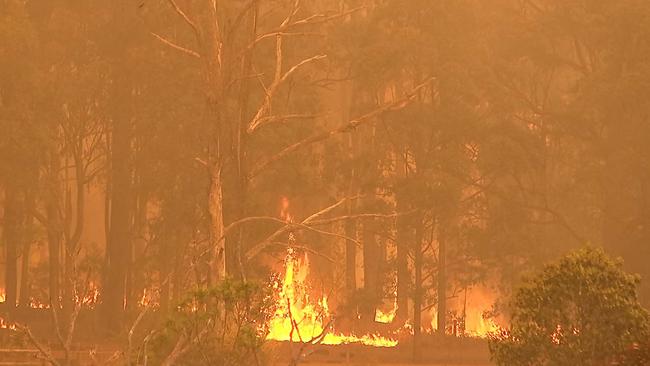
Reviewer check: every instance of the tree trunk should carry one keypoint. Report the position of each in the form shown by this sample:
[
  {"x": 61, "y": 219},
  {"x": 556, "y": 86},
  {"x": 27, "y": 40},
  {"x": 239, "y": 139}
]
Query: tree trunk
[
  {"x": 370, "y": 265},
  {"x": 403, "y": 275},
  {"x": 28, "y": 237},
  {"x": 442, "y": 280},
  {"x": 119, "y": 246},
  {"x": 12, "y": 229},
  {"x": 351, "y": 253},
  {"x": 54, "y": 229},
  {"x": 351, "y": 226},
  {"x": 418, "y": 293},
  {"x": 215, "y": 206}
]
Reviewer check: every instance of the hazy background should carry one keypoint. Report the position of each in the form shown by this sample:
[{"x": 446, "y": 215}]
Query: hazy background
[{"x": 458, "y": 144}]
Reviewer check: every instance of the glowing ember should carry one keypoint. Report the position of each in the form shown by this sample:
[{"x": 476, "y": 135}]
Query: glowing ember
[
  {"x": 310, "y": 319},
  {"x": 145, "y": 300},
  {"x": 91, "y": 297},
  {"x": 3, "y": 296},
  {"x": 36, "y": 304},
  {"x": 5, "y": 325}
]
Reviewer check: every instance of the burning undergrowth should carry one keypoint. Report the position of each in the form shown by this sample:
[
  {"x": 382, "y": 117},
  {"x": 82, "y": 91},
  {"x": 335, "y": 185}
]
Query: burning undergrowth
[{"x": 301, "y": 318}]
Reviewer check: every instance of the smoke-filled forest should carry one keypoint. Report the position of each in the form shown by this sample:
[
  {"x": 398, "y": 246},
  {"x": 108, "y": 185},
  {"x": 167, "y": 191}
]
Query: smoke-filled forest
[{"x": 341, "y": 182}]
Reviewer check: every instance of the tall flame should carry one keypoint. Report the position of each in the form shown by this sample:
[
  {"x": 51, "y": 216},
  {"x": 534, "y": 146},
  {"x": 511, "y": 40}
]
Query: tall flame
[
  {"x": 472, "y": 318},
  {"x": 299, "y": 319}
]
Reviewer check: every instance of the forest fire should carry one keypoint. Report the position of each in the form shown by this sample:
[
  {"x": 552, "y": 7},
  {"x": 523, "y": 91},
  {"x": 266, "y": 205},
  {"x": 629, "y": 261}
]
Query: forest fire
[
  {"x": 388, "y": 316},
  {"x": 470, "y": 317},
  {"x": 298, "y": 318}
]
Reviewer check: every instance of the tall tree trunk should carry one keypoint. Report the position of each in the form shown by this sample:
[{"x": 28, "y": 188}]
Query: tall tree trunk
[
  {"x": 351, "y": 253},
  {"x": 215, "y": 207},
  {"x": 119, "y": 246},
  {"x": 442, "y": 279},
  {"x": 28, "y": 237},
  {"x": 351, "y": 226},
  {"x": 220, "y": 128},
  {"x": 54, "y": 228},
  {"x": 418, "y": 292},
  {"x": 370, "y": 264},
  {"x": 12, "y": 229},
  {"x": 403, "y": 275}
]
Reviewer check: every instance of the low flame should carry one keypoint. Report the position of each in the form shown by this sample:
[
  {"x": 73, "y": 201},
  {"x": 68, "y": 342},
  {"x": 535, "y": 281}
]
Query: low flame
[
  {"x": 299, "y": 319},
  {"x": 386, "y": 317},
  {"x": 6, "y": 325}
]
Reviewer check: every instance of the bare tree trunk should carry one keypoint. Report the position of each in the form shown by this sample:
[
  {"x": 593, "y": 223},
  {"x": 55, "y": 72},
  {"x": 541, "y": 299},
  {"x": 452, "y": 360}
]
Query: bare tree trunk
[
  {"x": 442, "y": 279},
  {"x": 350, "y": 253},
  {"x": 418, "y": 293},
  {"x": 215, "y": 206},
  {"x": 119, "y": 247},
  {"x": 54, "y": 229},
  {"x": 11, "y": 236},
  {"x": 28, "y": 237},
  {"x": 370, "y": 266},
  {"x": 351, "y": 226},
  {"x": 403, "y": 275}
]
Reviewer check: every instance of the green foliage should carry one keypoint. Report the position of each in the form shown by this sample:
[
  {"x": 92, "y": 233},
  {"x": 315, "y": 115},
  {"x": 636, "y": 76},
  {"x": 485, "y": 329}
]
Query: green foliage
[
  {"x": 221, "y": 325},
  {"x": 581, "y": 310}
]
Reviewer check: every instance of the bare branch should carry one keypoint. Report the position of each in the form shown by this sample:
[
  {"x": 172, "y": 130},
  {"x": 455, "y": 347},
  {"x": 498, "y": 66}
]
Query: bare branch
[
  {"x": 279, "y": 79},
  {"x": 47, "y": 355},
  {"x": 132, "y": 330},
  {"x": 305, "y": 248},
  {"x": 281, "y": 118},
  {"x": 362, "y": 216},
  {"x": 346, "y": 127},
  {"x": 187, "y": 19},
  {"x": 176, "y": 46}
]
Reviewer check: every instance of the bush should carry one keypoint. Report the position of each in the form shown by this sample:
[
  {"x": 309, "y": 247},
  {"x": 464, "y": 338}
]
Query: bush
[
  {"x": 582, "y": 310},
  {"x": 224, "y": 325}
]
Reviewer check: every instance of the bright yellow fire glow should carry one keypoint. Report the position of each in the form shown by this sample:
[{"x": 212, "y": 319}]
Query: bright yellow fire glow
[
  {"x": 388, "y": 316},
  {"x": 311, "y": 319}
]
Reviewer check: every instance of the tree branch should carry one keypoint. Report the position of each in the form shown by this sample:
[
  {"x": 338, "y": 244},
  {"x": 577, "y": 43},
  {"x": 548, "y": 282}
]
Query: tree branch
[
  {"x": 176, "y": 46},
  {"x": 344, "y": 128},
  {"x": 187, "y": 19}
]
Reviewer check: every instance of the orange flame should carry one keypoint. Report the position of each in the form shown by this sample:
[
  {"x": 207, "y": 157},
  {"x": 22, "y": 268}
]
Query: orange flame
[
  {"x": 388, "y": 316},
  {"x": 477, "y": 320},
  {"x": 299, "y": 319}
]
